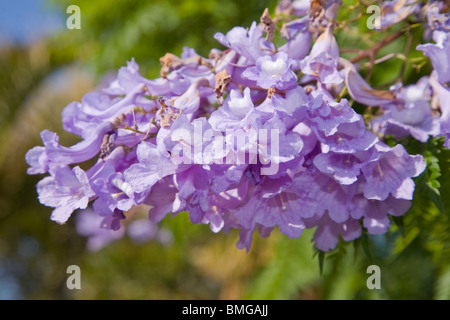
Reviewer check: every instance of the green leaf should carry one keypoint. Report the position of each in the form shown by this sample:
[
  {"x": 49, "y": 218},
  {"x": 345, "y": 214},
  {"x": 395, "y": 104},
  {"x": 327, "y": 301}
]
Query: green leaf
[
  {"x": 402, "y": 242},
  {"x": 429, "y": 179},
  {"x": 365, "y": 243},
  {"x": 444, "y": 178},
  {"x": 442, "y": 287},
  {"x": 291, "y": 270},
  {"x": 321, "y": 261}
]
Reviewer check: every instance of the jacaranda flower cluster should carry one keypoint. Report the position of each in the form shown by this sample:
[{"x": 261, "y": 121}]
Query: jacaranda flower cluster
[{"x": 254, "y": 137}]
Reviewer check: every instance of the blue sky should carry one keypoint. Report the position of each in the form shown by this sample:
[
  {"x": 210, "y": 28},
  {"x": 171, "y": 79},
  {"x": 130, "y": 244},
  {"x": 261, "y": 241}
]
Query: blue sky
[{"x": 23, "y": 21}]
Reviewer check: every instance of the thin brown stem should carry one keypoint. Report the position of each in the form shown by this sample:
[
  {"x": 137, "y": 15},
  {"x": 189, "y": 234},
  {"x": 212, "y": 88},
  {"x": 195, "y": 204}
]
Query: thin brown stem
[{"x": 372, "y": 51}]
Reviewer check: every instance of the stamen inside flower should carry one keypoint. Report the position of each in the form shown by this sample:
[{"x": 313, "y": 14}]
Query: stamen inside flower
[{"x": 379, "y": 169}]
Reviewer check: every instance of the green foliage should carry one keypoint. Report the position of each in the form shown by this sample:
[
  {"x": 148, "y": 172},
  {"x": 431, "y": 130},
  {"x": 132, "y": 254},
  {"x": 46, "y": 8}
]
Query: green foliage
[
  {"x": 113, "y": 32},
  {"x": 442, "y": 288},
  {"x": 291, "y": 269}
]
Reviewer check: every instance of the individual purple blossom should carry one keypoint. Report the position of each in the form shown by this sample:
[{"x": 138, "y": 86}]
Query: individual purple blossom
[
  {"x": 163, "y": 199},
  {"x": 290, "y": 106},
  {"x": 95, "y": 109},
  {"x": 274, "y": 203},
  {"x": 189, "y": 102},
  {"x": 91, "y": 225},
  {"x": 277, "y": 144},
  {"x": 376, "y": 213},
  {"x": 361, "y": 91},
  {"x": 272, "y": 72},
  {"x": 129, "y": 78},
  {"x": 331, "y": 196},
  {"x": 395, "y": 11},
  {"x": 236, "y": 111},
  {"x": 53, "y": 155},
  {"x": 413, "y": 116},
  {"x": 337, "y": 125},
  {"x": 247, "y": 43},
  {"x": 66, "y": 190},
  {"x": 298, "y": 39},
  {"x": 435, "y": 19},
  {"x": 328, "y": 232},
  {"x": 349, "y": 138},
  {"x": 439, "y": 54},
  {"x": 153, "y": 165},
  {"x": 391, "y": 173},
  {"x": 192, "y": 185},
  {"x": 442, "y": 100},
  {"x": 344, "y": 168},
  {"x": 113, "y": 193},
  {"x": 322, "y": 61},
  {"x": 327, "y": 115}
]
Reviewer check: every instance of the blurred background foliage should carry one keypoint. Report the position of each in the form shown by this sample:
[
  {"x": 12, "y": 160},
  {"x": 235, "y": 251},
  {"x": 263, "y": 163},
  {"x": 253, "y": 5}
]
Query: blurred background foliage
[{"x": 39, "y": 78}]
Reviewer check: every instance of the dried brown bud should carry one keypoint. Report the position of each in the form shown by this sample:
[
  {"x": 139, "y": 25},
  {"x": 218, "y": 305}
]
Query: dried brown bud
[
  {"x": 107, "y": 146},
  {"x": 222, "y": 80},
  {"x": 309, "y": 89},
  {"x": 272, "y": 91},
  {"x": 267, "y": 25},
  {"x": 169, "y": 62}
]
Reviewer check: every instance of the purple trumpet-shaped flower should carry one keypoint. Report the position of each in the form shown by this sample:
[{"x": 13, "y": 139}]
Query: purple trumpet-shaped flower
[
  {"x": 249, "y": 44},
  {"x": 189, "y": 102},
  {"x": 328, "y": 232},
  {"x": 350, "y": 137},
  {"x": 53, "y": 155},
  {"x": 391, "y": 173},
  {"x": 153, "y": 165},
  {"x": 435, "y": 19},
  {"x": 272, "y": 72},
  {"x": 274, "y": 203},
  {"x": 94, "y": 227},
  {"x": 298, "y": 40},
  {"x": 344, "y": 168},
  {"x": 413, "y": 117},
  {"x": 129, "y": 77},
  {"x": 322, "y": 62},
  {"x": 95, "y": 109},
  {"x": 327, "y": 115},
  {"x": 361, "y": 91},
  {"x": 331, "y": 196},
  {"x": 276, "y": 144},
  {"x": 442, "y": 100},
  {"x": 395, "y": 11},
  {"x": 439, "y": 54},
  {"x": 163, "y": 199},
  {"x": 375, "y": 213},
  {"x": 291, "y": 106},
  {"x": 66, "y": 190},
  {"x": 236, "y": 112},
  {"x": 113, "y": 193}
]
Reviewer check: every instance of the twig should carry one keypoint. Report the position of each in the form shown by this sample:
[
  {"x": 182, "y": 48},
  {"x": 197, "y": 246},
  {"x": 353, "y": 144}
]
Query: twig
[{"x": 372, "y": 51}]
